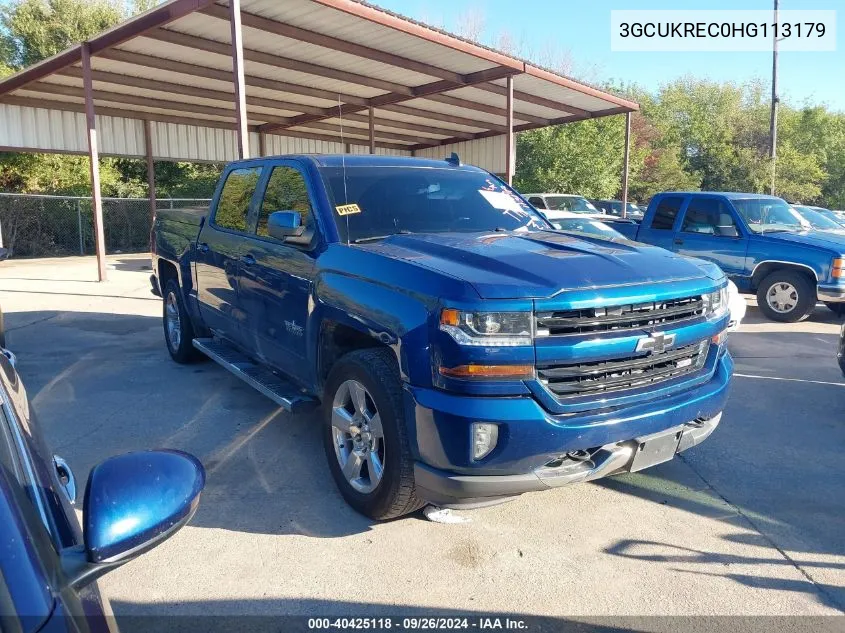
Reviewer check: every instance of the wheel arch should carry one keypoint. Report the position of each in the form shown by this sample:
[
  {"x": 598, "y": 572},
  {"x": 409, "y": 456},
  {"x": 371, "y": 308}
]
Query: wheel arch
[{"x": 766, "y": 267}]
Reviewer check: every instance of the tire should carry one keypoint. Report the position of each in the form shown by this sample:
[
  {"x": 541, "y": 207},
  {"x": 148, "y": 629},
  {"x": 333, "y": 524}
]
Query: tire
[
  {"x": 392, "y": 493},
  {"x": 180, "y": 346},
  {"x": 792, "y": 291}
]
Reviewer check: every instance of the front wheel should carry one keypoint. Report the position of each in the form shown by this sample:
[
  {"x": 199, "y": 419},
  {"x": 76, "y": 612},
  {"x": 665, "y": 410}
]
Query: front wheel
[
  {"x": 365, "y": 435},
  {"x": 786, "y": 296},
  {"x": 178, "y": 331}
]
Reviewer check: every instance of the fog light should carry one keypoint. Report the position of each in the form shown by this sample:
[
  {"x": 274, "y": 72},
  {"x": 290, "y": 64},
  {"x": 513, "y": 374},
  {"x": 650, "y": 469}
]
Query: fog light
[{"x": 484, "y": 438}]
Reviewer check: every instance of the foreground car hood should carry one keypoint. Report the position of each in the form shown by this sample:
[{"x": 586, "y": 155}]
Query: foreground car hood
[{"x": 540, "y": 264}]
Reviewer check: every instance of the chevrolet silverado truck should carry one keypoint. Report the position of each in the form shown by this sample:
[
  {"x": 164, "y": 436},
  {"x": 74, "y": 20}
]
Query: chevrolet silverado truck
[
  {"x": 463, "y": 351},
  {"x": 759, "y": 241}
]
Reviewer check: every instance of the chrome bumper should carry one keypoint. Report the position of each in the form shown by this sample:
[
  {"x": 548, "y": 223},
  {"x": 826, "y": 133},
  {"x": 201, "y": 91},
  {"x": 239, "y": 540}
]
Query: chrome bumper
[
  {"x": 622, "y": 456},
  {"x": 831, "y": 294}
]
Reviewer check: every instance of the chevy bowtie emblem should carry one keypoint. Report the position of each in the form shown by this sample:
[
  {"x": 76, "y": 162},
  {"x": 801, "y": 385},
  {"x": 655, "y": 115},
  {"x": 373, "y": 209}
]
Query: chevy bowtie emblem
[{"x": 657, "y": 343}]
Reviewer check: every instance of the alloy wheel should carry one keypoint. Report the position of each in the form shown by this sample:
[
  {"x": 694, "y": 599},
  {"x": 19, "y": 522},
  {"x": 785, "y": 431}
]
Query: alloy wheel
[{"x": 358, "y": 436}]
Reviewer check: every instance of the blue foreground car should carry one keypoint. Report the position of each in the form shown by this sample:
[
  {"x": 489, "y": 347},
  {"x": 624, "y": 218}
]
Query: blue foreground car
[{"x": 48, "y": 565}]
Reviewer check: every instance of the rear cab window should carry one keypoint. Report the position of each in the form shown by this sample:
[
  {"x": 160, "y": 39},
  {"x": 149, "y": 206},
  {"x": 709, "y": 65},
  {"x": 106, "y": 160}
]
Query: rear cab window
[
  {"x": 232, "y": 211},
  {"x": 666, "y": 212}
]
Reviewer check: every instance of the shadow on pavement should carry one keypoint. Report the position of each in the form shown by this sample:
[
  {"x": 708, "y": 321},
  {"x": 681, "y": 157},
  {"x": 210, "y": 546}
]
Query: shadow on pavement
[
  {"x": 772, "y": 466},
  {"x": 103, "y": 384}
]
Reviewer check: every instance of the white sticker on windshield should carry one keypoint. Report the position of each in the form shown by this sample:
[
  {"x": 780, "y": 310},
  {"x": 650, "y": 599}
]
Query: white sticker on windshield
[{"x": 501, "y": 200}]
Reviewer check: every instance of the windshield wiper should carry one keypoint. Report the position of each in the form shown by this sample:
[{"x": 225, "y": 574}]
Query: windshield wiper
[{"x": 376, "y": 238}]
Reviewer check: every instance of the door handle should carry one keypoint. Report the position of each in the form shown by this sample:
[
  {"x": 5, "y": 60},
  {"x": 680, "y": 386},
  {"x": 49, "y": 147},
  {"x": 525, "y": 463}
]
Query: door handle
[
  {"x": 202, "y": 248},
  {"x": 66, "y": 478},
  {"x": 678, "y": 241},
  {"x": 249, "y": 260}
]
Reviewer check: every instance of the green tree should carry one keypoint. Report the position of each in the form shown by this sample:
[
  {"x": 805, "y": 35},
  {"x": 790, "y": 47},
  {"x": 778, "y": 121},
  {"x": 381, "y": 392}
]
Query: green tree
[
  {"x": 35, "y": 29},
  {"x": 583, "y": 158}
]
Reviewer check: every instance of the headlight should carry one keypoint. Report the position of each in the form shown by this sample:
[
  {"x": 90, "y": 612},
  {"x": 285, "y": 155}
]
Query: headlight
[
  {"x": 716, "y": 303},
  {"x": 487, "y": 328}
]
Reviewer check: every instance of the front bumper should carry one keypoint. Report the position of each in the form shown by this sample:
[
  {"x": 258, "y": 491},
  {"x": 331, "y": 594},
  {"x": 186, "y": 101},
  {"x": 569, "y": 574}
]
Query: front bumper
[
  {"x": 831, "y": 294},
  {"x": 446, "y": 489},
  {"x": 533, "y": 443}
]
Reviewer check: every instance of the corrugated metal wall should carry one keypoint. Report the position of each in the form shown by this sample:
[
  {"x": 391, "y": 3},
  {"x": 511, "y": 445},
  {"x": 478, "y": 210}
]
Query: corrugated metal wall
[
  {"x": 55, "y": 131},
  {"x": 487, "y": 153}
]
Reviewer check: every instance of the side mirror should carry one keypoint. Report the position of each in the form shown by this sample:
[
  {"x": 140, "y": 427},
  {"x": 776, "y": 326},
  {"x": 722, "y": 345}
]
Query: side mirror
[
  {"x": 282, "y": 224},
  {"x": 132, "y": 503},
  {"x": 4, "y": 253}
]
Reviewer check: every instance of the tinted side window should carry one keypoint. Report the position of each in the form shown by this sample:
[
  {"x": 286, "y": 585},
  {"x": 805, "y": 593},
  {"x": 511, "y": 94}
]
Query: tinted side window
[
  {"x": 286, "y": 191},
  {"x": 537, "y": 202},
  {"x": 233, "y": 206},
  {"x": 667, "y": 211},
  {"x": 709, "y": 216}
]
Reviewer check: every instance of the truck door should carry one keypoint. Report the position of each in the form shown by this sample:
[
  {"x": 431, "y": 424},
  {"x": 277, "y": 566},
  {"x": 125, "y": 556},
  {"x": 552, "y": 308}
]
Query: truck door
[
  {"x": 659, "y": 228},
  {"x": 709, "y": 230},
  {"x": 219, "y": 249},
  {"x": 276, "y": 277}
]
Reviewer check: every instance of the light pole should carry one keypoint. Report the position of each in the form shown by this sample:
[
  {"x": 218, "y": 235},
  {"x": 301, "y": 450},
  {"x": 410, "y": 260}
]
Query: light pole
[{"x": 773, "y": 125}]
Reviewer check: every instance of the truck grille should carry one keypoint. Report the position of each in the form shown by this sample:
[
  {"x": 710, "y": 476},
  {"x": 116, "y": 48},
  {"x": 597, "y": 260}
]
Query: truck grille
[
  {"x": 628, "y": 317},
  {"x": 596, "y": 377}
]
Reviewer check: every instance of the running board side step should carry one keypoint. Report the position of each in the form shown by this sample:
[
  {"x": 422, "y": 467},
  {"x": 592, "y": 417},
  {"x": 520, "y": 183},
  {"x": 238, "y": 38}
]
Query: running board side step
[{"x": 281, "y": 391}]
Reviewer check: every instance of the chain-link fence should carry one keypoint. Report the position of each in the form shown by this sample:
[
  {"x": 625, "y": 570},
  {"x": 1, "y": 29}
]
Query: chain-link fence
[{"x": 55, "y": 226}]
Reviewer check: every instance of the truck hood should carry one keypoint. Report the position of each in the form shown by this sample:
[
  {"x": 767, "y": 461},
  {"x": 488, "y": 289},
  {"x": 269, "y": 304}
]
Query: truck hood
[
  {"x": 831, "y": 240},
  {"x": 540, "y": 264}
]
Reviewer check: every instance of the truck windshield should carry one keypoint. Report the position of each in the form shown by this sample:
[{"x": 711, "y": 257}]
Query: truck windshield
[
  {"x": 576, "y": 204},
  {"x": 770, "y": 215},
  {"x": 375, "y": 202}
]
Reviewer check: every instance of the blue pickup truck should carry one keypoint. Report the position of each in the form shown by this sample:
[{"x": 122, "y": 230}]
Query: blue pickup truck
[
  {"x": 759, "y": 241},
  {"x": 463, "y": 351}
]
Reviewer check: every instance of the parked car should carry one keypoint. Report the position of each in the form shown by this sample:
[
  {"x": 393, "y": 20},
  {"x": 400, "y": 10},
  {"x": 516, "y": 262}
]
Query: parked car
[
  {"x": 760, "y": 242},
  {"x": 48, "y": 565},
  {"x": 463, "y": 350},
  {"x": 561, "y": 202},
  {"x": 836, "y": 216},
  {"x": 841, "y": 353},
  {"x": 582, "y": 224},
  {"x": 818, "y": 221},
  {"x": 614, "y": 207}
]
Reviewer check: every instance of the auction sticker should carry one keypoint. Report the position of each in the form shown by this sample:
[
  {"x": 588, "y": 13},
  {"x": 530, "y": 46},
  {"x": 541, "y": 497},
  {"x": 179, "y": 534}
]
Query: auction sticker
[{"x": 348, "y": 209}]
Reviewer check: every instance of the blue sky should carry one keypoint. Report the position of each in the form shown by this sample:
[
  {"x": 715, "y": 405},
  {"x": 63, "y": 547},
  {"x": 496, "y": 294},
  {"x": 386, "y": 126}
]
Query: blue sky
[{"x": 579, "y": 30}]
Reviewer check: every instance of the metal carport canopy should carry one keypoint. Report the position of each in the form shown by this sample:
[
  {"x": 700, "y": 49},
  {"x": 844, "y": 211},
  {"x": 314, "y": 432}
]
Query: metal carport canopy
[{"x": 205, "y": 80}]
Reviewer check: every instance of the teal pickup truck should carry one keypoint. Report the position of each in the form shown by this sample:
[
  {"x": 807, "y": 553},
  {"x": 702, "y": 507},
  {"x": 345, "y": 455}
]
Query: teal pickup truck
[{"x": 760, "y": 242}]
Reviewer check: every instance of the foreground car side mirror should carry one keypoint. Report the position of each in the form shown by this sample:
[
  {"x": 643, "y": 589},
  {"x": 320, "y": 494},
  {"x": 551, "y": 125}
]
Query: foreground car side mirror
[
  {"x": 282, "y": 224},
  {"x": 132, "y": 503}
]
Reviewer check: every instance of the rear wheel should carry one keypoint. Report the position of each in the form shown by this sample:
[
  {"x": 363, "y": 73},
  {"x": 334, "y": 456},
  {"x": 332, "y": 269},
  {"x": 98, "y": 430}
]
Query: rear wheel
[
  {"x": 786, "y": 296},
  {"x": 365, "y": 436},
  {"x": 178, "y": 331}
]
